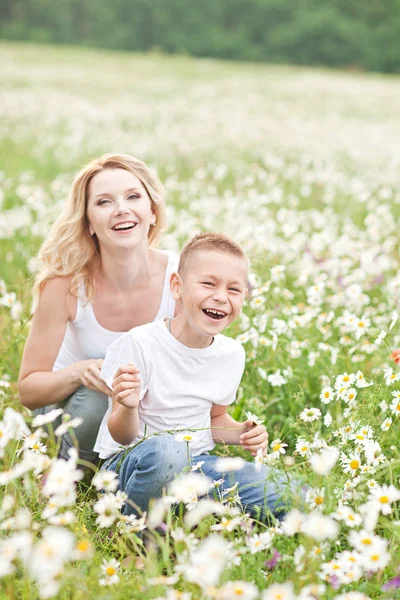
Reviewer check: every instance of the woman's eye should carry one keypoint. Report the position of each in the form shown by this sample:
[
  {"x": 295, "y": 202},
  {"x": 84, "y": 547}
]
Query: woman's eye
[
  {"x": 133, "y": 196},
  {"x": 103, "y": 201}
]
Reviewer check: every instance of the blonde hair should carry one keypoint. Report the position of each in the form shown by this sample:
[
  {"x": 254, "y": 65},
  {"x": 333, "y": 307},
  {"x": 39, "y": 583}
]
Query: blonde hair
[
  {"x": 209, "y": 241},
  {"x": 69, "y": 249}
]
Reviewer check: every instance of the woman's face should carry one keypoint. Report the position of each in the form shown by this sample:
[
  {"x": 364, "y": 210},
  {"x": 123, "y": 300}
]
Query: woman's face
[{"x": 118, "y": 209}]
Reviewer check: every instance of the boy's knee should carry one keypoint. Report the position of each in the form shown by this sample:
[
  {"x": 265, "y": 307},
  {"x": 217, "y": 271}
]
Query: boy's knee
[{"x": 166, "y": 457}]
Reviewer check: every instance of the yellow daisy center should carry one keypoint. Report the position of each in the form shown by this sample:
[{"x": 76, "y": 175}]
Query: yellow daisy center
[
  {"x": 383, "y": 499},
  {"x": 354, "y": 464},
  {"x": 319, "y": 500},
  {"x": 110, "y": 571}
]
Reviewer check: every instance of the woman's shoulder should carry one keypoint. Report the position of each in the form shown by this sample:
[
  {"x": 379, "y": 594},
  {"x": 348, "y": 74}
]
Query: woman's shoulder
[{"x": 56, "y": 292}]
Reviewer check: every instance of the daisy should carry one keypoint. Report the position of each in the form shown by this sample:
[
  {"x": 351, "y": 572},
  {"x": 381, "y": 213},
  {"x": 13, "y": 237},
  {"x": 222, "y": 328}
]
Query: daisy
[
  {"x": 327, "y": 395},
  {"x": 105, "y": 480},
  {"x": 279, "y": 591},
  {"x": 234, "y": 463},
  {"x": 259, "y": 542},
  {"x": 386, "y": 424},
  {"x": 390, "y": 376},
  {"x": 395, "y": 406},
  {"x": 351, "y": 464},
  {"x": 110, "y": 570},
  {"x": 48, "y": 417},
  {"x": 303, "y": 447},
  {"x": 344, "y": 381},
  {"x": 310, "y": 414},
  {"x": 254, "y": 418},
  {"x": 383, "y": 496},
  {"x": 184, "y": 436},
  {"x": 323, "y": 462},
  {"x": 259, "y": 459},
  {"x": 315, "y": 498},
  {"x": 278, "y": 447},
  {"x": 238, "y": 589}
]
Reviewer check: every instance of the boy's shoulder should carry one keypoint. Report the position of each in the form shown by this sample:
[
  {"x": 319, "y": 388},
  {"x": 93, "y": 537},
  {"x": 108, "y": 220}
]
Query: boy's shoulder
[{"x": 230, "y": 345}]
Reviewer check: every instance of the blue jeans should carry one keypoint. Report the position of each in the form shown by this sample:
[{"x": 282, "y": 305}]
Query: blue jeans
[
  {"x": 90, "y": 406},
  {"x": 147, "y": 469}
]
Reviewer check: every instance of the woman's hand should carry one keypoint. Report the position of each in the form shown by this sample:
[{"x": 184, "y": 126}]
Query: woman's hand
[
  {"x": 89, "y": 375},
  {"x": 126, "y": 386},
  {"x": 255, "y": 438}
]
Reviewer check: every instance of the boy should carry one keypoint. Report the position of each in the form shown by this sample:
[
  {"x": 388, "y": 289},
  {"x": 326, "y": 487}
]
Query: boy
[{"x": 182, "y": 374}]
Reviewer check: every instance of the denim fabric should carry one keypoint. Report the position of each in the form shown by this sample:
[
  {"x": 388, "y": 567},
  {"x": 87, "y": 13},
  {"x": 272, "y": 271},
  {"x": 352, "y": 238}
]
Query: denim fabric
[
  {"x": 148, "y": 468},
  {"x": 90, "y": 406}
]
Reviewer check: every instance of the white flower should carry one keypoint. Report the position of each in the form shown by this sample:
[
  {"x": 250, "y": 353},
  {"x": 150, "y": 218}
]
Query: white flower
[
  {"x": 234, "y": 463},
  {"x": 279, "y": 591},
  {"x": 48, "y": 417},
  {"x": 352, "y": 463},
  {"x": 328, "y": 420},
  {"x": 258, "y": 542},
  {"x": 259, "y": 459},
  {"x": 252, "y": 417},
  {"x": 386, "y": 424},
  {"x": 50, "y": 553},
  {"x": 383, "y": 496},
  {"x": 276, "y": 379},
  {"x": 108, "y": 510},
  {"x": 320, "y": 527},
  {"x": 67, "y": 425},
  {"x": 61, "y": 477},
  {"x": 292, "y": 522},
  {"x": 323, "y": 462},
  {"x": 310, "y": 414},
  {"x": 238, "y": 589},
  {"x": 315, "y": 498},
  {"x": 327, "y": 395},
  {"x": 395, "y": 406},
  {"x": 303, "y": 447},
  {"x": 105, "y": 480},
  {"x": 278, "y": 447},
  {"x": 390, "y": 376},
  {"x": 110, "y": 570},
  {"x": 204, "y": 508},
  {"x": 189, "y": 486},
  {"x": 206, "y": 562}
]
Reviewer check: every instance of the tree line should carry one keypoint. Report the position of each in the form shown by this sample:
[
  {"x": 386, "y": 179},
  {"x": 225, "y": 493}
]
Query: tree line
[{"x": 359, "y": 34}]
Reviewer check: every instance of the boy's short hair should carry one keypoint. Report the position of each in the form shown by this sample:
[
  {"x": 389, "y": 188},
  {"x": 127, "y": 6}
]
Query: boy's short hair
[{"x": 209, "y": 241}]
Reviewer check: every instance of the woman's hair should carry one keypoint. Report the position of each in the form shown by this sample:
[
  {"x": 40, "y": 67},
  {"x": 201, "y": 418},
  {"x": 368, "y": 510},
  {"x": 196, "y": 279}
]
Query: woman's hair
[{"x": 69, "y": 249}]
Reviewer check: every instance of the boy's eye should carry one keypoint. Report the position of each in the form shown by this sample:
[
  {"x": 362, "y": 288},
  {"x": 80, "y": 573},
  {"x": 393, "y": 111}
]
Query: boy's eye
[
  {"x": 207, "y": 283},
  {"x": 235, "y": 290}
]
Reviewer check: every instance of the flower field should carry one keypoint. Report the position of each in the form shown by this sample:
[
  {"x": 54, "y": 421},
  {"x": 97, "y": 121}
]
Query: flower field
[{"x": 301, "y": 167}]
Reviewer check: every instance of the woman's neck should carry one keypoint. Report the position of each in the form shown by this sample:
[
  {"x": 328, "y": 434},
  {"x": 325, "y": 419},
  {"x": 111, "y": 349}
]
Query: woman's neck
[{"x": 123, "y": 271}]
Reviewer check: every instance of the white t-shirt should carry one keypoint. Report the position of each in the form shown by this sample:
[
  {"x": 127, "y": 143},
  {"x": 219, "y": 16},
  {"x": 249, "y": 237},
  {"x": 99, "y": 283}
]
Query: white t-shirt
[
  {"x": 84, "y": 336},
  {"x": 179, "y": 385}
]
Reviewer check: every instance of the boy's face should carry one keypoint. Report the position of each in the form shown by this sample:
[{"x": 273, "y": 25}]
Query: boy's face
[{"x": 211, "y": 290}]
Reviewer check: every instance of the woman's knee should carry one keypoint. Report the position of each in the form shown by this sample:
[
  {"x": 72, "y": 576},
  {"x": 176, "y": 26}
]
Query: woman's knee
[{"x": 90, "y": 406}]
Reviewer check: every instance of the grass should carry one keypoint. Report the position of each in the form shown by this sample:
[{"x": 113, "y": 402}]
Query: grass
[{"x": 300, "y": 166}]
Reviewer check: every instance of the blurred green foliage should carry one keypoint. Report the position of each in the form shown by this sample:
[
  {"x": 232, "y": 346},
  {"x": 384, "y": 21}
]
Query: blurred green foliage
[{"x": 359, "y": 34}]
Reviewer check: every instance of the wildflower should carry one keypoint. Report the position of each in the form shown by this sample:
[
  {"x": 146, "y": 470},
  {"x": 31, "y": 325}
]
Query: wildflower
[
  {"x": 328, "y": 420},
  {"x": 110, "y": 570},
  {"x": 390, "y": 376},
  {"x": 206, "y": 562},
  {"x": 46, "y": 418},
  {"x": 132, "y": 523},
  {"x": 189, "y": 486},
  {"x": 197, "y": 466},
  {"x": 227, "y": 524},
  {"x": 258, "y": 542},
  {"x": 327, "y": 395},
  {"x": 323, "y": 462},
  {"x": 67, "y": 425},
  {"x": 386, "y": 424},
  {"x": 238, "y": 589},
  {"x": 344, "y": 381},
  {"x": 107, "y": 509},
  {"x": 348, "y": 516},
  {"x": 278, "y": 447},
  {"x": 279, "y": 591},
  {"x": 360, "y": 381},
  {"x": 351, "y": 464},
  {"x": 310, "y": 414},
  {"x": 373, "y": 453},
  {"x": 105, "y": 480},
  {"x": 395, "y": 406},
  {"x": 315, "y": 498},
  {"x": 259, "y": 459},
  {"x": 227, "y": 464},
  {"x": 292, "y": 522},
  {"x": 383, "y": 496},
  {"x": 303, "y": 447},
  {"x": 83, "y": 549},
  {"x": 319, "y": 527},
  {"x": 276, "y": 379},
  {"x": 252, "y": 417},
  {"x": 184, "y": 436}
]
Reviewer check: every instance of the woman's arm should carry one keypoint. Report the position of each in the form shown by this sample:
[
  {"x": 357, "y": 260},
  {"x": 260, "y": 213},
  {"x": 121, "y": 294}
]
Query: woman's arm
[{"x": 38, "y": 385}]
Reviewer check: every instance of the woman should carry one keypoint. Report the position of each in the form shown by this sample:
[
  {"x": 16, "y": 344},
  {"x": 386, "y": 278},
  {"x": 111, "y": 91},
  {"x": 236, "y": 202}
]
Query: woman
[{"x": 99, "y": 276}]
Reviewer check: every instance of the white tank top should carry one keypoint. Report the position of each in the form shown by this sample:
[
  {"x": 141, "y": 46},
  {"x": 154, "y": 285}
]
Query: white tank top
[{"x": 84, "y": 336}]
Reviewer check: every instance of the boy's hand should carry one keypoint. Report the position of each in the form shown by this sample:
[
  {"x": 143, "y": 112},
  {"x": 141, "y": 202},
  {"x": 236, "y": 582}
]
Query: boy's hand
[
  {"x": 126, "y": 386},
  {"x": 396, "y": 355},
  {"x": 255, "y": 437}
]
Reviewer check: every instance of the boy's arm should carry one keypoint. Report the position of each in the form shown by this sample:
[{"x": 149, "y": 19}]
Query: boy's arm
[
  {"x": 123, "y": 422},
  {"x": 249, "y": 435}
]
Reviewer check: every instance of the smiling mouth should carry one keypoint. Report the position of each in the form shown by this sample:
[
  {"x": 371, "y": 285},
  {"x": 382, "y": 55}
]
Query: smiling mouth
[
  {"x": 216, "y": 315},
  {"x": 124, "y": 226}
]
